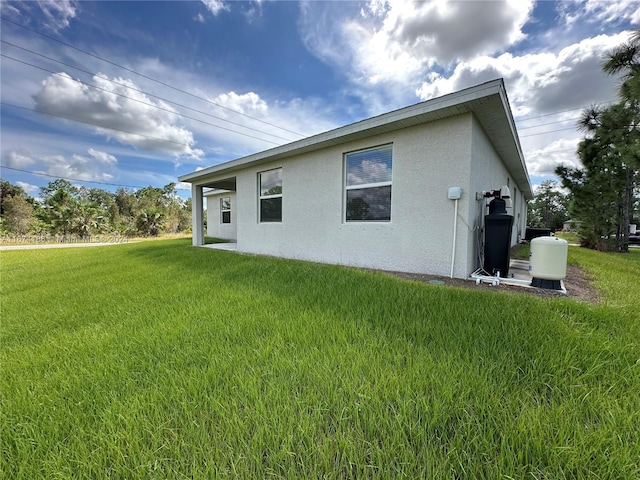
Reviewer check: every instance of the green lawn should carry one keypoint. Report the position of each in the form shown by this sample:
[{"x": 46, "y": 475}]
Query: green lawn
[
  {"x": 159, "y": 360},
  {"x": 570, "y": 237}
]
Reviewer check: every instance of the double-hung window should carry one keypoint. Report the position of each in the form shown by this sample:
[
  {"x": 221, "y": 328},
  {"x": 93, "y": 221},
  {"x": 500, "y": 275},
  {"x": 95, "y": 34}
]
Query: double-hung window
[
  {"x": 368, "y": 185},
  {"x": 270, "y": 195},
  {"x": 225, "y": 210}
]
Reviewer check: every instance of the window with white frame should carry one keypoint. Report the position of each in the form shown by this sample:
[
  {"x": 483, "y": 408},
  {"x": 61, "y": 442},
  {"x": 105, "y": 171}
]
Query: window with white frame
[
  {"x": 270, "y": 195},
  {"x": 368, "y": 185},
  {"x": 225, "y": 210}
]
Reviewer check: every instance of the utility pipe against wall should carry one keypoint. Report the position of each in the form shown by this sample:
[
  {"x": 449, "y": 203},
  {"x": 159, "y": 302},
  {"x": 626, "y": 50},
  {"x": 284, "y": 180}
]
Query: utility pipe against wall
[
  {"x": 454, "y": 194},
  {"x": 455, "y": 228}
]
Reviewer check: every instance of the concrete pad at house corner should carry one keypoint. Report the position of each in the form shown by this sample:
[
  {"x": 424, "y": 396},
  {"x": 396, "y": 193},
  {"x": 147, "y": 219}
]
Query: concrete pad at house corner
[
  {"x": 230, "y": 247},
  {"x": 519, "y": 269}
]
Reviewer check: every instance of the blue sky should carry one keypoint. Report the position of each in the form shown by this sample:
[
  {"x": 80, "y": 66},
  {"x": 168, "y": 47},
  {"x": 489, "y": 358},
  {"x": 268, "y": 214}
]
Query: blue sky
[{"x": 133, "y": 94}]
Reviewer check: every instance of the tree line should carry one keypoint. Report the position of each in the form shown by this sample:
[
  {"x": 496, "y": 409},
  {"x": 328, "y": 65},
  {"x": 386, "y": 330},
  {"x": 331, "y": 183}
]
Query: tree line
[
  {"x": 602, "y": 195},
  {"x": 65, "y": 209}
]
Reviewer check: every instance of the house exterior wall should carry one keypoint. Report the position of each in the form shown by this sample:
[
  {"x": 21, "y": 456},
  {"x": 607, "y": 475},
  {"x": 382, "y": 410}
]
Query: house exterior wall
[
  {"x": 215, "y": 227},
  {"x": 488, "y": 172},
  {"x": 427, "y": 160}
]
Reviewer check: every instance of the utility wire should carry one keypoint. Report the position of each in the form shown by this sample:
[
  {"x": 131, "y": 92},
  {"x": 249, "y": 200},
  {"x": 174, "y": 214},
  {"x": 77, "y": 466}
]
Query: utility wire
[
  {"x": 96, "y": 125},
  {"x": 146, "y": 103},
  {"x": 136, "y": 90},
  {"x": 211, "y": 150},
  {"x": 74, "y": 179},
  {"x": 548, "y": 123},
  {"x": 217, "y": 104},
  {"x": 561, "y": 111},
  {"x": 147, "y": 77},
  {"x": 549, "y": 131},
  {"x": 29, "y": 109}
]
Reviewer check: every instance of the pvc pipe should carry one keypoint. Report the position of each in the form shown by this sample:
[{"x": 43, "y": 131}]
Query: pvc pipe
[{"x": 455, "y": 228}]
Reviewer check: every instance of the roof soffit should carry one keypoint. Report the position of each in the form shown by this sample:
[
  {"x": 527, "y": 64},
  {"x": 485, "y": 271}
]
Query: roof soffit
[{"x": 488, "y": 102}]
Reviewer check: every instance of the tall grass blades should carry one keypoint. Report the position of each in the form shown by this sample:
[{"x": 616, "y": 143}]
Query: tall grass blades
[{"x": 159, "y": 360}]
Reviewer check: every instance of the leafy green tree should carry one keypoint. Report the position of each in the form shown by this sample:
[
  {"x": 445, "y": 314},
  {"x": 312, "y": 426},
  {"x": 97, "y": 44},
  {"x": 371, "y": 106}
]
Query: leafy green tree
[
  {"x": 124, "y": 221},
  {"x": 549, "y": 207},
  {"x": 605, "y": 190},
  {"x": 150, "y": 221},
  {"x": 357, "y": 209},
  {"x": 164, "y": 201},
  {"x": 18, "y": 215},
  {"x": 87, "y": 219},
  {"x": 57, "y": 186},
  {"x": 60, "y": 204},
  {"x": 66, "y": 209},
  {"x": 7, "y": 190},
  {"x": 624, "y": 60}
]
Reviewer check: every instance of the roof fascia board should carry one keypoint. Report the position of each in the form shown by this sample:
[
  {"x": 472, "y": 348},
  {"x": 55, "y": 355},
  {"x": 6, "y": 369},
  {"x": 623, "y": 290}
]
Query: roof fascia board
[
  {"x": 317, "y": 141},
  {"x": 516, "y": 139}
]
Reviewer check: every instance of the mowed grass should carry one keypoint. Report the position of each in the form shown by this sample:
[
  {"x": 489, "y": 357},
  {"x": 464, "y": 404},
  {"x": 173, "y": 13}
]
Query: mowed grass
[{"x": 159, "y": 360}]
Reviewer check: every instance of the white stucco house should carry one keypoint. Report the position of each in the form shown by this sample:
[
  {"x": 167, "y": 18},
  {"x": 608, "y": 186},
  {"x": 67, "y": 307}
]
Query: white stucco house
[{"x": 375, "y": 193}]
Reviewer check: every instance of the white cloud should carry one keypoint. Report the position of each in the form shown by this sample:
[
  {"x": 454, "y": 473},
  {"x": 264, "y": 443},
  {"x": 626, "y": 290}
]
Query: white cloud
[
  {"x": 20, "y": 159},
  {"x": 598, "y": 12},
  {"x": 540, "y": 81},
  {"x": 96, "y": 166},
  {"x": 542, "y": 162},
  {"x": 58, "y": 12},
  {"x": 399, "y": 41},
  {"x": 448, "y": 31},
  {"x": 368, "y": 171},
  {"x": 248, "y": 103},
  {"x": 215, "y": 6},
  {"x": 27, "y": 187},
  {"x": 88, "y": 168},
  {"x": 123, "y": 113}
]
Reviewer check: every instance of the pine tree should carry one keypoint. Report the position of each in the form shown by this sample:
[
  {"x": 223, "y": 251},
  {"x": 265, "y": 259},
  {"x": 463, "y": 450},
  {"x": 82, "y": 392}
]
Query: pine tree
[{"x": 605, "y": 189}]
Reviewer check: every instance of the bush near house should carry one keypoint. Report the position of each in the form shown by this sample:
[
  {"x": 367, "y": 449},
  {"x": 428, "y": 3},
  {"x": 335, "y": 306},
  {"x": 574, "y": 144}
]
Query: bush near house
[{"x": 159, "y": 360}]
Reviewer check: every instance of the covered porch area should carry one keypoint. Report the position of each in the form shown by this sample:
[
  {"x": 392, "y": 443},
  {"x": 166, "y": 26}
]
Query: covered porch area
[{"x": 197, "y": 207}]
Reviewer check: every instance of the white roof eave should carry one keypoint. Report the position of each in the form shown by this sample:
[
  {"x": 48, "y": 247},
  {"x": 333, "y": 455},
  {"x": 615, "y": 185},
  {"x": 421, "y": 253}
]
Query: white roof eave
[{"x": 488, "y": 102}]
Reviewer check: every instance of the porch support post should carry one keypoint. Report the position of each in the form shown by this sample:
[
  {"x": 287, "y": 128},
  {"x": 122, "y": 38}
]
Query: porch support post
[{"x": 197, "y": 219}]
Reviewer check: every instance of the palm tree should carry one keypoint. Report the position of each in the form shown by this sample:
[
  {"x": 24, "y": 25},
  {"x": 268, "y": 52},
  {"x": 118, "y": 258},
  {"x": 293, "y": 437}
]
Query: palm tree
[
  {"x": 87, "y": 219},
  {"x": 150, "y": 221}
]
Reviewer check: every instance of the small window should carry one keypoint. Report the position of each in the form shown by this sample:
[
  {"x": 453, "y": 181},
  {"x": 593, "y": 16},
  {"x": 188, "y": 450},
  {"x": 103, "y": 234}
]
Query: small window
[
  {"x": 270, "y": 195},
  {"x": 225, "y": 210},
  {"x": 368, "y": 185}
]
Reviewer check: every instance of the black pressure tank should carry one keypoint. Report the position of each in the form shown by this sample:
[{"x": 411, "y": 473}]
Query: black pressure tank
[{"x": 497, "y": 238}]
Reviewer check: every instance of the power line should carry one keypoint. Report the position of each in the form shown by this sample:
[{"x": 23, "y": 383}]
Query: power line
[
  {"x": 149, "y": 104},
  {"x": 74, "y": 179},
  {"x": 550, "y": 131},
  {"x": 558, "y": 112},
  {"x": 211, "y": 150},
  {"x": 139, "y": 91},
  {"x": 95, "y": 124},
  {"x": 147, "y": 77},
  {"x": 548, "y": 123},
  {"x": 29, "y": 109}
]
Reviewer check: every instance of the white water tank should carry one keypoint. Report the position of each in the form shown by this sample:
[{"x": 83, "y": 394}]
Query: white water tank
[{"x": 548, "y": 258}]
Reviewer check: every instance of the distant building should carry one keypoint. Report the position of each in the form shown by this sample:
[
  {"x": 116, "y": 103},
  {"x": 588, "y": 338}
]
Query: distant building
[{"x": 570, "y": 226}]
